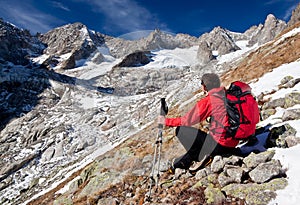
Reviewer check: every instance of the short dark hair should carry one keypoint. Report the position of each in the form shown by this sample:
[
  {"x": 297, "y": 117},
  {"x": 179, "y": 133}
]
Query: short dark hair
[{"x": 211, "y": 80}]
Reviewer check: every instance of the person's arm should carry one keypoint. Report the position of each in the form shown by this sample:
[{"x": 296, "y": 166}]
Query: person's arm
[{"x": 198, "y": 113}]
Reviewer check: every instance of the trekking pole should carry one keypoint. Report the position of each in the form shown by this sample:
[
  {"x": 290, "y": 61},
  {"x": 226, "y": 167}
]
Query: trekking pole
[
  {"x": 163, "y": 112},
  {"x": 157, "y": 150}
]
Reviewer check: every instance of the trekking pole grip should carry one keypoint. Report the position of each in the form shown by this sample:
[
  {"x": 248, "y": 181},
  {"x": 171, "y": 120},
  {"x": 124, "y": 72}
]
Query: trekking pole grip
[
  {"x": 164, "y": 107},
  {"x": 163, "y": 110}
]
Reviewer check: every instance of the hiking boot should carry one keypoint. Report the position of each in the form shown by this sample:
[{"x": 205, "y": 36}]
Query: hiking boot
[
  {"x": 171, "y": 168},
  {"x": 196, "y": 166},
  {"x": 168, "y": 167},
  {"x": 275, "y": 132}
]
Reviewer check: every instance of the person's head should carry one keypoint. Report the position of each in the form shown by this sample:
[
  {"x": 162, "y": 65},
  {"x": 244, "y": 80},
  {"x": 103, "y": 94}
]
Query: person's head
[{"x": 210, "y": 81}]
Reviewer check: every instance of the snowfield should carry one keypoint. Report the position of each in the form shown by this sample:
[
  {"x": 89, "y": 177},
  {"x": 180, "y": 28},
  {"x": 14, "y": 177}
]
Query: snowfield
[{"x": 288, "y": 157}]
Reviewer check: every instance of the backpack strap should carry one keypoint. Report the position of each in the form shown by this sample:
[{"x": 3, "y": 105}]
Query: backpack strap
[{"x": 239, "y": 103}]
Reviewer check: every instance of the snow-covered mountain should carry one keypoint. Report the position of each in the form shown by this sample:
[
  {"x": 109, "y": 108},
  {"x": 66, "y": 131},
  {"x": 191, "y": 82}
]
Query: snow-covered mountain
[{"x": 71, "y": 95}]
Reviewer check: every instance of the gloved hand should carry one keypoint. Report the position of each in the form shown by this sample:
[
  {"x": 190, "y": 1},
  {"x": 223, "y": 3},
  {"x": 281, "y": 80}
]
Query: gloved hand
[{"x": 161, "y": 120}]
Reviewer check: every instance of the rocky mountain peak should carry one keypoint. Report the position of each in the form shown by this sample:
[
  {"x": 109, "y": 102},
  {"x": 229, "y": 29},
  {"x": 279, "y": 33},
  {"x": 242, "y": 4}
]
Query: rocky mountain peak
[
  {"x": 273, "y": 27},
  {"x": 218, "y": 30},
  {"x": 295, "y": 18},
  {"x": 268, "y": 31},
  {"x": 16, "y": 43},
  {"x": 158, "y": 39},
  {"x": 73, "y": 39},
  {"x": 156, "y": 33},
  {"x": 218, "y": 40},
  {"x": 155, "y": 40}
]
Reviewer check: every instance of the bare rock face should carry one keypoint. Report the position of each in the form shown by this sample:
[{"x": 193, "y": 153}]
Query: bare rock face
[
  {"x": 73, "y": 39},
  {"x": 204, "y": 54},
  {"x": 219, "y": 40},
  {"x": 16, "y": 44},
  {"x": 295, "y": 18},
  {"x": 253, "y": 31},
  {"x": 155, "y": 40},
  {"x": 135, "y": 59},
  {"x": 158, "y": 39},
  {"x": 69, "y": 63},
  {"x": 264, "y": 33}
]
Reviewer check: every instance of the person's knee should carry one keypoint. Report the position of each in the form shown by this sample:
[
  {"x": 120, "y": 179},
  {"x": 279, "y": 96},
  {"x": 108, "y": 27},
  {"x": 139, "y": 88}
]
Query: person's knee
[
  {"x": 177, "y": 130},
  {"x": 185, "y": 129}
]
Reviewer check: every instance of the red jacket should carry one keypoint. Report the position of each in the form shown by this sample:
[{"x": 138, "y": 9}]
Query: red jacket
[{"x": 209, "y": 106}]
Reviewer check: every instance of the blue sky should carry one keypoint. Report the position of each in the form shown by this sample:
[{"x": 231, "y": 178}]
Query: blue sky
[{"x": 126, "y": 17}]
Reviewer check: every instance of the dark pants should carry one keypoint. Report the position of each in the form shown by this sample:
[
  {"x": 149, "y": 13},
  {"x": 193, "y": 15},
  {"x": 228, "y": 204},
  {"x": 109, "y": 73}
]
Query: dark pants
[{"x": 198, "y": 144}]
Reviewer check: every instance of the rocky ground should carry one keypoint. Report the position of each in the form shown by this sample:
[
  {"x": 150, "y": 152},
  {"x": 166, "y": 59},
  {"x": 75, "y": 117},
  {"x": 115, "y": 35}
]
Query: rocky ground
[{"x": 121, "y": 176}]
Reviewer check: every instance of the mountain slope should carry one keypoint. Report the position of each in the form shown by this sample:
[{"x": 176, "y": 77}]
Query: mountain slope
[
  {"x": 121, "y": 175},
  {"x": 284, "y": 49}
]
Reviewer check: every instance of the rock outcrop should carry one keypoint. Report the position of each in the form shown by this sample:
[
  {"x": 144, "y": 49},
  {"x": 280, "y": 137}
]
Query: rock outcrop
[
  {"x": 17, "y": 45},
  {"x": 295, "y": 18},
  {"x": 156, "y": 40},
  {"x": 264, "y": 33},
  {"x": 204, "y": 54},
  {"x": 219, "y": 40},
  {"x": 226, "y": 180},
  {"x": 74, "y": 41},
  {"x": 135, "y": 59}
]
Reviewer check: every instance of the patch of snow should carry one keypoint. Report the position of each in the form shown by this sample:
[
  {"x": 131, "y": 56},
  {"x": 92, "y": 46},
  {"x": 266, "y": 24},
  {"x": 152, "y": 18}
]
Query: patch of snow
[
  {"x": 80, "y": 62},
  {"x": 271, "y": 80},
  {"x": 288, "y": 156},
  {"x": 40, "y": 59},
  {"x": 104, "y": 50},
  {"x": 176, "y": 58},
  {"x": 289, "y": 159},
  {"x": 242, "y": 44},
  {"x": 93, "y": 70},
  {"x": 293, "y": 32},
  {"x": 85, "y": 34},
  {"x": 215, "y": 53},
  {"x": 235, "y": 55}
]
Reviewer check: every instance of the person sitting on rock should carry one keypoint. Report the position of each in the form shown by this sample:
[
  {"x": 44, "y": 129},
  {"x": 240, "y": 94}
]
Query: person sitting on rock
[{"x": 201, "y": 146}]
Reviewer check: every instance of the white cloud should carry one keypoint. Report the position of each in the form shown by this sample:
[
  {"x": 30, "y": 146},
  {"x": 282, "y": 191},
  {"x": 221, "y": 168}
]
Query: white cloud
[
  {"x": 270, "y": 2},
  {"x": 126, "y": 15},
  {"x": 289, "y": 11},
  {"x": 60, "y": 5},
  {"x": 24, "y": 15}
]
